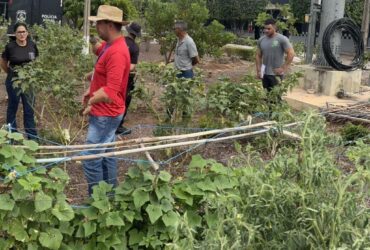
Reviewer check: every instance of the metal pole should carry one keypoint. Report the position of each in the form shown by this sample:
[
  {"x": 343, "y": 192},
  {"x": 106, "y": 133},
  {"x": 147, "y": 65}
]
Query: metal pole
[
  {"x": 365, "y": 22},
  {"x": 86, "y": 27},
  {"x": 310, "y": 44}
]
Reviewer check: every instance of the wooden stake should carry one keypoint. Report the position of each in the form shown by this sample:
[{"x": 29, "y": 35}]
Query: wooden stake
[
  {"x": 162, "y": 138},
  {"x": 151, "y": 148},
  {"x": 150, "y": 159}
]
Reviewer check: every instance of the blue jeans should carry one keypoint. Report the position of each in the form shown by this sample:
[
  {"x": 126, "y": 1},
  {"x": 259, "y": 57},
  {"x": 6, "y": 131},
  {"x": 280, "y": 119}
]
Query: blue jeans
[
  {"x": 28, "y": 101},
  {"x": 186, "y": 74},
  {"x": 101, "y": 130}
]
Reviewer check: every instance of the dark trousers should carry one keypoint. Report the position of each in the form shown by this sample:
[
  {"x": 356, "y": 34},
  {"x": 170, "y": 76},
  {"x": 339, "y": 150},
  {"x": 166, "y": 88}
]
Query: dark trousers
[
  {"x": 130, "y": 88},
  {"x": 28, "y": 100},
  {"x": 188, "y": 74},
  {"x": 270, "y": 81}
]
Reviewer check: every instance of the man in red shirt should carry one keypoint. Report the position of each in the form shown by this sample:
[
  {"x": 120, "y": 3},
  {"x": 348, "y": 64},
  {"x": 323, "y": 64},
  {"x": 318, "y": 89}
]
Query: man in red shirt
[{"x": 104, "y": 101}]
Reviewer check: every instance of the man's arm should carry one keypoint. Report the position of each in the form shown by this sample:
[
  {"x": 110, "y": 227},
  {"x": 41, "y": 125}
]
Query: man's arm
[
  {"x": 258, "y": 63},
  {"x": 288, "y": 60},
  {"x": 132, "y": 67},
  {"x": 4, "y": 65},
  {"x": 195, "y": 60}
]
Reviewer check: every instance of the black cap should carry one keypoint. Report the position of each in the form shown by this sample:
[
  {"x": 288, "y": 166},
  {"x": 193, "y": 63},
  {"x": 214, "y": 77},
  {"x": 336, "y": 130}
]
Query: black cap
[{"x": 134, "y": 28}]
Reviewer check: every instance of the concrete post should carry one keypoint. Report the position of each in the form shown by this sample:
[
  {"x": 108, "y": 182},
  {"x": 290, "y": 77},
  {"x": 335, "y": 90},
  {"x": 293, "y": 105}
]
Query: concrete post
[
  {"x": 86, "y": 27},
  {"x": 310, "y": 43},
  {"x": 331, "y": 10},
  {"x": 365, "y": 22}
]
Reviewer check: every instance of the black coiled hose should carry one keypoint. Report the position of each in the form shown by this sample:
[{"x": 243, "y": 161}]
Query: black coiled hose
[{"x": 343, "y": 24}]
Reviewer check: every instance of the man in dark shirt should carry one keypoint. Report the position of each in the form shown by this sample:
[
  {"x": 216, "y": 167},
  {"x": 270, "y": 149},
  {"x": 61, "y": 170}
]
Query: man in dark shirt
[{"x": 133, "y": 30}]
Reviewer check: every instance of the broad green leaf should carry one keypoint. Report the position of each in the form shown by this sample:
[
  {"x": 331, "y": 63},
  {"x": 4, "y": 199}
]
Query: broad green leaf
[
  {"x": 66, "y": 228},
  {"x": 148, "y": 176},
  {"x": 166, "y": 205},
  {"x": 154, "y": 212},
  {"x": 103, "y": 205},
  {"x": 28, "y": 159},
  {"x": 27, "y": 209},
  {"x": 32, "y": 246},
  {"x": 19, "y": 193},
  {"x": 89, "y": 228},
  {"x": 140, "y": 198},
  {"x": 42, "y": 202},
  {"x": 180, "y": 194},
  {"x": 6, "y": 202},
  {"x": 135, "y": 237},
  {"x": 31, "y": 145},
  {"x": 193, "y": 218},
  {"x": 218, "y": 168},
  {"x": 51, "y": 239},
  {"x": 133, "y": 173},
  {"x": 114, "y": 219},
  {"x": 31, "y": 183},
  {"x": 63, "y": 211},
  {"x": 129, "y": 215},
  {"x": 164, "y": 176},
  {"x": 207, "y": 185},
  {"x": 211, "y": 219},
  {"x": 15, "y": 136},
  {"x": 18, "y": 231},
  {"x": 198, "y": 162},
  {"x": 58, "y": 174},
  {"x": 6, "y": 151},
  {"x": 91, "y": 213},
  {"x": 171, "y": 219}
]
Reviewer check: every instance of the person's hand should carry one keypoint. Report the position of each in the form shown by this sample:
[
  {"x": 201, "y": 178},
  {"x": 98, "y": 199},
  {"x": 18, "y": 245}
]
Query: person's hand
[
  {"x": 88, "y": 76},
  {"x": 93, "y": 40},
  {"x": 86, "y": 97},
  {"x": 258, "y": 75},
  {"x": 279, "y": 71},
  {"x": 87, "y": 110}
]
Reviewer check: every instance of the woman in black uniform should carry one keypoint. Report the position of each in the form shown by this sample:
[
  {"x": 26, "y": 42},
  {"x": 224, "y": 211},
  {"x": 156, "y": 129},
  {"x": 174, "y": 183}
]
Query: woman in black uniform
[{"x": 17, "y": 53}]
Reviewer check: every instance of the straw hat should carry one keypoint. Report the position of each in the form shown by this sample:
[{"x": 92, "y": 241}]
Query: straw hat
[{"x": 108, "y": 13}]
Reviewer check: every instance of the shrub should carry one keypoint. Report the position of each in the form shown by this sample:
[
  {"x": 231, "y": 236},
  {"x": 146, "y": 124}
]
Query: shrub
[
  {"x": 298, "y": 200},
  {"x": 244, "y": 52},
  {"x": 353, "y": 132},
  {"x": 247, "y": 41},
  {"x": 57, "y": 76}
]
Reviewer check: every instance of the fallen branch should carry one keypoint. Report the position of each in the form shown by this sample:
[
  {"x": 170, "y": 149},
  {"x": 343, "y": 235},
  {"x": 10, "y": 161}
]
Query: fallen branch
[{"x": 349, "y": 118}]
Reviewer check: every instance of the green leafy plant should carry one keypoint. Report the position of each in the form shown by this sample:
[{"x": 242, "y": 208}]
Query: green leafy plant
[
  {"x": 161, "y": 15},
  {"x": 230, "y": 103},
  {"x": 352, "y": 132},
  {"x": 181, "y": 97},
  {"x": 297, "y": 200},
  {"x": 285, "y": 20}
]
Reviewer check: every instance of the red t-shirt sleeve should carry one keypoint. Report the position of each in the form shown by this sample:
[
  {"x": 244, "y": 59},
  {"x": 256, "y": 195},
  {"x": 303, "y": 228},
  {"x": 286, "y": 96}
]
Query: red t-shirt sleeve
[{"x": 115, "y": 68}]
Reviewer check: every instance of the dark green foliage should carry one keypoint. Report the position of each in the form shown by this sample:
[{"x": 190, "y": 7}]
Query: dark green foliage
[
  {"x": 353, "y": 132},
  {"x": 298, "y": 200}
]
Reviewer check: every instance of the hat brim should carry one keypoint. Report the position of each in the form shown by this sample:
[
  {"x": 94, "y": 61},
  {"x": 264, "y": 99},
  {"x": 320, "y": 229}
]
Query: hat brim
[
  {"x": 96, "y": 19},
  {"x": 131, "y": 31}
]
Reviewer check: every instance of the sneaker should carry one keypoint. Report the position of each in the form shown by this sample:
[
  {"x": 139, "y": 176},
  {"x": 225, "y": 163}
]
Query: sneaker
[{"x": 123, "y": 131}]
